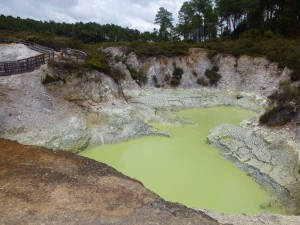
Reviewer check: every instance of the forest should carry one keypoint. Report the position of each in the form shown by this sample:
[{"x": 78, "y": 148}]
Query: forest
[{"x": 199, "y": 20}]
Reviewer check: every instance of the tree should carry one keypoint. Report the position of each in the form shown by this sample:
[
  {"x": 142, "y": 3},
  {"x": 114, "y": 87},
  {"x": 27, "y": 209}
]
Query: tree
[
  {"x": 164, "y": 19},
  {"x": 198, "y": 20},
  {"x": 236, "y": 12},
  {"x": 187, "y": 22}
]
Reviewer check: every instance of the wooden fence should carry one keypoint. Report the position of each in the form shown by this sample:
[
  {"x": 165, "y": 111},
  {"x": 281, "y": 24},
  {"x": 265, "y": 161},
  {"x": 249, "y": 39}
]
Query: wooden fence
[
  {"x": 27, "y": 64},
  {"x": 5, "y": 41},
  {"x": 75, "y": 54},
  {"x": 30, "y": 64},
  {"x": 48, "y": 52},
  {"x": 22, "y": 65}
]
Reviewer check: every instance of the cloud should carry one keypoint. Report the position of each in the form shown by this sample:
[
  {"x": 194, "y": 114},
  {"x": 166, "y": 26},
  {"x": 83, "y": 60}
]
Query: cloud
[{"x": 136, "y": 14}]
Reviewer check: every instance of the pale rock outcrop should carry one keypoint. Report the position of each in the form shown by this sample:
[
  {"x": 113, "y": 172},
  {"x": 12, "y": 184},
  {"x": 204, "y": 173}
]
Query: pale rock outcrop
[
  {"x": 32, "y": 116},
  {"x": 272, "y": 162},
  {"x": 245, "y": 74}
]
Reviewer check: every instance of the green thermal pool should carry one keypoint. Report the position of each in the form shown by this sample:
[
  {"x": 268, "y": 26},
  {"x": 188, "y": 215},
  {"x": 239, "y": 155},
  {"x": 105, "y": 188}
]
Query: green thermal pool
[{"x": 185, "y": 169}]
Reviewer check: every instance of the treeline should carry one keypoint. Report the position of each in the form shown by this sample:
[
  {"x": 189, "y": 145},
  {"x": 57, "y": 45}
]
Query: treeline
[
  {"x": 207, "y": 19},
  {"x": 199, "y": 20},
  {"x": 85, "y": 32}
]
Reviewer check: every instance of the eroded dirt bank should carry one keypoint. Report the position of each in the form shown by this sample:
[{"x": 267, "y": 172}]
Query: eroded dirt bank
[{"x": 39, "y": 186}]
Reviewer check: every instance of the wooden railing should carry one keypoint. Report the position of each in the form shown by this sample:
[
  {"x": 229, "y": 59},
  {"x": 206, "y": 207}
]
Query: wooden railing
[
  {"x": 5, "y": 41},
  {"x": 75, "y": 54},
  {"x": 22, "y": 65},
  {"x": 30, "y": 64},
  {"x": 48, "y": 52}
]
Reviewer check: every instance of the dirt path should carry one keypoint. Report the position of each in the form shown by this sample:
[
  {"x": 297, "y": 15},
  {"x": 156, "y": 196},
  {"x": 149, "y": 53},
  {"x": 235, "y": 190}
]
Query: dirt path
[{"x": 39, "y": 186}]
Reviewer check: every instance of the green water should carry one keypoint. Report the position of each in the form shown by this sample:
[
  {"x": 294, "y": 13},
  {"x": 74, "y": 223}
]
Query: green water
[{"x": 185, "y": 169}]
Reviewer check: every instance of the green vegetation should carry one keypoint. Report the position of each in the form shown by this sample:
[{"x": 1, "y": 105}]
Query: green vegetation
[
  {"x": 50, "y": 79},
  {"x": 168, "y": 49},
  {"x": 65, "y": 65},
  {"x": 85, "y": 32},
  {"x": 287, "y": 103},
  {"x": 96, "y": 58},
  {"x": 117, "y": 74},
  {"x": 176, "y": 76},
  {"x": 164, "y": 19},
  {"x": 198, "y": 20},
  {"x": 63, "y": 69},
  {"x": 284, "y": 51},
  {"x": 211, "y": 77},
  {"x": 138, "y": 76}
]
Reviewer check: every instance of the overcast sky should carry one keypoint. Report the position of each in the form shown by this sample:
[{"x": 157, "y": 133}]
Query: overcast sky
[{"x": 137, "y": 14}]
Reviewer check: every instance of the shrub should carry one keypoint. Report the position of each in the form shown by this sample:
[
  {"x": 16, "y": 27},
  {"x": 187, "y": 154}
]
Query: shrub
[
  {"x": 63, "y": 69},
  {"x": 97, "y": 59},
  {"x": 202, "y": 81},
  {"x": 213, "y": 75},
  {"x": 117, "y": 74},
  {"x": 211, "y": 54},
  {"x": 279, "y": 115},
  {"x": 49, "y": 79},
  {"x": 287, "y": 102},
  {"x": 178, "y": 72},
  {"x": 174, "y": 81},
  {"x": 65, "y": 65},
  {"x": 168, "y": 49},
  {"x": 177, "y": 75},
  {"x": 139, "y": 77},
  {"x": 295, "y": 75}
]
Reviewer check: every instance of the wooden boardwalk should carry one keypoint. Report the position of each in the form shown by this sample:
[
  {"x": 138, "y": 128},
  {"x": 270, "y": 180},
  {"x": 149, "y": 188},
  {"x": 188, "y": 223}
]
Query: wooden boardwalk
[
  {"x": 29, "y": 64},
  {"x": 22, "y": 65}
]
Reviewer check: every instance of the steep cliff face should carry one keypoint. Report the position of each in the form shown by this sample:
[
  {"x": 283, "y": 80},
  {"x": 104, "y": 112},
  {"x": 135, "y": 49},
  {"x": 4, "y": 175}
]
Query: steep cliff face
[
  {"x": 253, "y": 75},
  {"x": 77, "y": 104}
]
